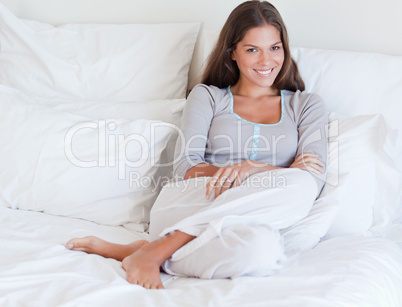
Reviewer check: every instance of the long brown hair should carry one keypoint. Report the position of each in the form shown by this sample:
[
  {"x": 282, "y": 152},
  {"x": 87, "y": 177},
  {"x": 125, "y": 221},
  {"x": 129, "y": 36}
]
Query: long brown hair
[{"x": 222, "y": 71}]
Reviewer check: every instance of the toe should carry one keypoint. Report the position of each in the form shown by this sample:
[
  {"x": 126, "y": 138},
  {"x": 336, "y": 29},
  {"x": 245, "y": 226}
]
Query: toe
[
  {"x": 70, "y": 244},
  {"x": 80, "y": 244},
  {"x": 160, "y": 286},
  {"x": 131, "y": 279}
]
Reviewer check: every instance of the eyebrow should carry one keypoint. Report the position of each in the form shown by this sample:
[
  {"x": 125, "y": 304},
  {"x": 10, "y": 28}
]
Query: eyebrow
[{"x": 250, "y": 45}]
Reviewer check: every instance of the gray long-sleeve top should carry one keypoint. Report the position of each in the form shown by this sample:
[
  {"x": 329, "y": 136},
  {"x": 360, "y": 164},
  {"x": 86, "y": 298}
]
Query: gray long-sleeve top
[{"x": 212, "y": 133}]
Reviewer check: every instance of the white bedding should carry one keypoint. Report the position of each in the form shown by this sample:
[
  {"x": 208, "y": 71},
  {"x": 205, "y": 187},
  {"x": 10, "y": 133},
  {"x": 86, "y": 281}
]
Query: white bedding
[
  {"x": 239, "y": 233},
  {"x": 37, "y": 270}
]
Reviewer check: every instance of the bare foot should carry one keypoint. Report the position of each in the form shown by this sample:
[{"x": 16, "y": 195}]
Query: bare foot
[
  {"x": 143, "y": 269},
  {"x": 143, "y": 266},
  {"x": 94, "y": 245}
]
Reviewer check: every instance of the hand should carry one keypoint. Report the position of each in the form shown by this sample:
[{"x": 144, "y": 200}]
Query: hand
[
  {"x": 233, "y": 175},
  {"x": 308, "y": 162}
]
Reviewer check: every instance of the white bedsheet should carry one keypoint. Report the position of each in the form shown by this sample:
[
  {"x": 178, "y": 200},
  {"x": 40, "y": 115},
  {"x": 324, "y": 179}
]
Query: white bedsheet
[{"x": 36, "y": 270}]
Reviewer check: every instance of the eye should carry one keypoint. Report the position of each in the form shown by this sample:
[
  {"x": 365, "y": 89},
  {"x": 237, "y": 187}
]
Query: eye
[
  {"x": 275, "y": 48},
  {"x": 252, "y": 50}
]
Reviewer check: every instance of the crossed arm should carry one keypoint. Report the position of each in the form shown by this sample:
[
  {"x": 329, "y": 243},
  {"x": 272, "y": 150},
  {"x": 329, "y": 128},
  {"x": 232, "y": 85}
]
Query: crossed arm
[{"x": 224, "y": 178}]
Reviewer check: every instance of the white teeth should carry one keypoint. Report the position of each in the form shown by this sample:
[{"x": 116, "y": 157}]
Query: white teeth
[{"x": 264, "y": 72}]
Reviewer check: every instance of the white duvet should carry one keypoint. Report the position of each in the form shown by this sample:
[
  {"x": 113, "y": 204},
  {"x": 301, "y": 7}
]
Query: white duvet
[
  {"x": 37, "y": 270},
  {"x": 239, "y": 233}
]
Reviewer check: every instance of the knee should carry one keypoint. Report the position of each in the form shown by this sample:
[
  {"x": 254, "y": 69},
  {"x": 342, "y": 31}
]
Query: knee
[
  {"x": 254, "y": 251},
  {"x": 240, "y": 250}
]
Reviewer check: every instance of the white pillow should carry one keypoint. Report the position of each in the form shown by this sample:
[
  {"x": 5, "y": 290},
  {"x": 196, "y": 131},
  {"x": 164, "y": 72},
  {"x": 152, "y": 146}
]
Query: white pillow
[
  {"x": 360, "y": 194},
  {"x": 105, "y": 171},
  {"x": 95, "y": 62},
  {"x": 354, "y": 83},
  {"x": 167, "y": 110},
  {"x": 371, "y": 189}
]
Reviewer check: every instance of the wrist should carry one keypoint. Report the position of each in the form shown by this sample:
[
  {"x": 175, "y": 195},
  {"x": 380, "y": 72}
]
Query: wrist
[
  {"x": 201, "y": 170},
  {"x": 270, "y": 167}
]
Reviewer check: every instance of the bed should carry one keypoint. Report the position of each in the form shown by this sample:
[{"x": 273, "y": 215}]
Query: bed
[{"x": 89, "y": 115}]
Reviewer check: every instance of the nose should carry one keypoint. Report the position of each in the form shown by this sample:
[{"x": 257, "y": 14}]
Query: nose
[{"x": 265, "y": 58}]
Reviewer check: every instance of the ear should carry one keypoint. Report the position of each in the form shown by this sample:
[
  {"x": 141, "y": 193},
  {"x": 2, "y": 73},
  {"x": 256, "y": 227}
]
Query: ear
[{"x": 233, "y": 55}]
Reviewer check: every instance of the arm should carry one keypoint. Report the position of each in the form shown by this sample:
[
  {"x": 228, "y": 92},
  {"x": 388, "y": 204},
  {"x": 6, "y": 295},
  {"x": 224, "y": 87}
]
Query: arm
[
  {"x": 312, "y": 143},
  {"x": 191, "y": 143},
  {"x": 201, "y": 170},
  {"x": 233, "y": 175}
]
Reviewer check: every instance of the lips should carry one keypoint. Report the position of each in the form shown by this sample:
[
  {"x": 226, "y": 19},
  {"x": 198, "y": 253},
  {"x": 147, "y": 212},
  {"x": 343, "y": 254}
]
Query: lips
[{"x": 264, "y": 72}]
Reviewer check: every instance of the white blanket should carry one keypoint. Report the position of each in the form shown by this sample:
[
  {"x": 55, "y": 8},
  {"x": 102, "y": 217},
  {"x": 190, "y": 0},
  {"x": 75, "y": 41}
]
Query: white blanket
[
  {"x": 237, "y": 234},
  {"x": 36, "y": 270}
]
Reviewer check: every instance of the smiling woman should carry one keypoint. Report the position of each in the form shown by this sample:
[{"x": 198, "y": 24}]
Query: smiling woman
[
  {"x": 340, "y": 246},
  {"x": 248, "y": 121},
  {"x": 259, "y": 57},
  {"x": 222, "y": 71}
]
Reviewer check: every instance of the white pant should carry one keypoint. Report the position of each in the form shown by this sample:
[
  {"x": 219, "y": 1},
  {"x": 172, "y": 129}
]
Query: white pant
[{"x": 238, "y": 232}]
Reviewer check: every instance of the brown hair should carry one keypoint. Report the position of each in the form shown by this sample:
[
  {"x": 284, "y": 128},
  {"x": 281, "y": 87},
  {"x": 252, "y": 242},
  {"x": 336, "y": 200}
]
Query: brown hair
[{"x": 222, "y": 71}]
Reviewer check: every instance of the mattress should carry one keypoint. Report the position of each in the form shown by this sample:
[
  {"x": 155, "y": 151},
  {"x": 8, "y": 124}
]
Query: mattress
[{"x": 37, "y": 270}]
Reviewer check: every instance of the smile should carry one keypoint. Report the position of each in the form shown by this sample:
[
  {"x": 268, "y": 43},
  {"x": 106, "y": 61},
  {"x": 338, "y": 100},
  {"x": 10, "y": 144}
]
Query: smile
[{"x": 264, "y": 72}]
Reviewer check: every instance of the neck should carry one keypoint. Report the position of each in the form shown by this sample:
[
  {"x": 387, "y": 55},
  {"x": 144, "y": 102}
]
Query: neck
[{"x": 241, "y": 89}]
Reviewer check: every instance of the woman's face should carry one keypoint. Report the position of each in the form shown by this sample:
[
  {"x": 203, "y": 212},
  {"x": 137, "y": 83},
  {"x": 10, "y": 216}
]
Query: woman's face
[{"x": 259, "y": 56}]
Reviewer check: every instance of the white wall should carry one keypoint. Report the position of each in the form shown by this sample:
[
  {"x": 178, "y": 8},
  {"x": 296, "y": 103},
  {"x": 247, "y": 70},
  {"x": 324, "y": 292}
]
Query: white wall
[{"x": 360, "y": 25}]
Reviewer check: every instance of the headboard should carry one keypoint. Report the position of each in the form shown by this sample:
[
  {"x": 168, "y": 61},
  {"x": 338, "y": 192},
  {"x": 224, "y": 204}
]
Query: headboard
[{"x": 368, "y": 26}]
